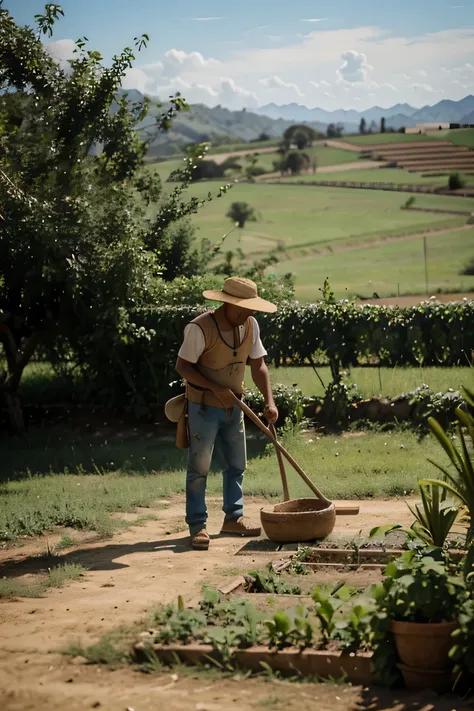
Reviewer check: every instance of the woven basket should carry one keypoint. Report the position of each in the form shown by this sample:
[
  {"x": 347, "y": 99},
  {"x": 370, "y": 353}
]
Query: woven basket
[{"x": 298, "y": 520}]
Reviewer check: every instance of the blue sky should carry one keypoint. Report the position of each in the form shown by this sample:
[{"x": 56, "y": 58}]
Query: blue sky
[{"x": 344, "y": 54}]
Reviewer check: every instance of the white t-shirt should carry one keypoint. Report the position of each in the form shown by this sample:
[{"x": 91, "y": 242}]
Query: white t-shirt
[{"x": 194, "y": 342}]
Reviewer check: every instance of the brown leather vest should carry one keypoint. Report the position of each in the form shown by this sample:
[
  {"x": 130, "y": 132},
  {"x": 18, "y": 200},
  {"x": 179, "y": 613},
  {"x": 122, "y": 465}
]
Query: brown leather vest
[{"x": 223, "y": 360}]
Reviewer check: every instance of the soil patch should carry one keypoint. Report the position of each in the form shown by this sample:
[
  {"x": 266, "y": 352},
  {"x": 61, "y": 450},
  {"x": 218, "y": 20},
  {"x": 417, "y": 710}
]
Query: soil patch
[{"x": 126, "y": 577}]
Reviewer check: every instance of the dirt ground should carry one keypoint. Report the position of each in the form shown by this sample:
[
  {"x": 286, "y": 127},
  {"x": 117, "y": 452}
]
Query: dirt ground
[{"x": 126, "y": 576}]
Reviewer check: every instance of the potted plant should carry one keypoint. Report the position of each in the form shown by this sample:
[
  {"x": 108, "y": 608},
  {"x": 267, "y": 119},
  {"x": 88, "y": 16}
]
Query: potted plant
[{"x": 418, "y": 603}]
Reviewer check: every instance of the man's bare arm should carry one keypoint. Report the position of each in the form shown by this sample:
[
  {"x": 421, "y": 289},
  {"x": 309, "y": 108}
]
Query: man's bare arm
[{"x": 261, "y": 378}]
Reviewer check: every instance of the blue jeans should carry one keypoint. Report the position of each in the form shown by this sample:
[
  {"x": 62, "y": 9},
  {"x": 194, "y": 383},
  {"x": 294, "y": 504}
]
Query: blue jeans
[{"x": 224, "y": 429}]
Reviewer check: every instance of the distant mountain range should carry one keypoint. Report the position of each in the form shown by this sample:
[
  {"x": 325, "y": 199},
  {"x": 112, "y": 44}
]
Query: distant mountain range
[
  {"x": 219, "y": 124},
  {"x": 396, "y": 116}
]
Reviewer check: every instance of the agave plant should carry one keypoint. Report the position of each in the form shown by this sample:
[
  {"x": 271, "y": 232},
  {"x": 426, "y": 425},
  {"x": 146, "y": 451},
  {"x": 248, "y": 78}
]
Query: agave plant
[
  {"x": 460, "y": 481},
  {"x": 436, "y": 515}
]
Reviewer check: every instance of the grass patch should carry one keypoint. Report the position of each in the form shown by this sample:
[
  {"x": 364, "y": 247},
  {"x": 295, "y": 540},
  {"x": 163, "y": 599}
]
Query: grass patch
[
  {"x": 371, "y": 465},
  {"x": 380, "y": 175},
  {"x": 56, "y": 578},
  {"x": 387, "y": 269},
  {"x": 65, "y": 543},
  {"x": 112, "y": 649}
]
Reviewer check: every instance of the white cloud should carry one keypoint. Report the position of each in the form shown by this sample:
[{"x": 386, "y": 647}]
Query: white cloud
[
  {"x": 427, "y": 88},
  {"x": 379, "y": 66},
  {"x": 355, "y": 68},
  {"x": 392, "y": 87},
  {"x": 137, "y": 79},
  {"x": 275, "y": 82},
  {"x": 456, "y": 82},
  {"x": 62, "y": 51},
  {"x": 231, "y": 93},
  {"x": 323, "y": 82},
  {"x": 206, "y": 19},
  {"x": 314, "y": 19},
  {"x": 176, "y": 62},
  {"x": 227, "y": 92},
  {"x": 357, "y": 98}
]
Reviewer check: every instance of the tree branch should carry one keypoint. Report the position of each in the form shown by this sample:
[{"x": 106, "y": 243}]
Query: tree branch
[{"x": 9, "y": 345}]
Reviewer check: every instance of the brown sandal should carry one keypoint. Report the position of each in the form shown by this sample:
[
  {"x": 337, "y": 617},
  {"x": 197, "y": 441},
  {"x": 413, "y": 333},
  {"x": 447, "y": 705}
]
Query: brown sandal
[{"x": 200, "y": 542}]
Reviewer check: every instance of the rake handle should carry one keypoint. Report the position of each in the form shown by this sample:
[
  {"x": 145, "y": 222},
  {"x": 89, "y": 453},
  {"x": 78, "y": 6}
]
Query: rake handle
[
  {"x": 281, "y": 464},
  {"x": 258, "y": 422}
]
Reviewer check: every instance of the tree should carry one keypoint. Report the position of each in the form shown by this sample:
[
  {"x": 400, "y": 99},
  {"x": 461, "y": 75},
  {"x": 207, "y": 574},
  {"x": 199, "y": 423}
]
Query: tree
[
  {"x": 77, "y": 248},
  {"x": 296, "y": 162},
  {"x": 363, "y": 126},
  {"x": 382, "y": 125},
  {"x": 240, "y": 213},
  {"x": 261, "y": 138},
  {"x": 373, "y": 127},
  {"x": 335, "y": 130},
  {"x": 301, "y": 135}
]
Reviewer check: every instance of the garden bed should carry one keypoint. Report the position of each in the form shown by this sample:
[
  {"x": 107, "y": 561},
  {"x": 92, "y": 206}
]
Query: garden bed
[{"x": 353, "y": 668}]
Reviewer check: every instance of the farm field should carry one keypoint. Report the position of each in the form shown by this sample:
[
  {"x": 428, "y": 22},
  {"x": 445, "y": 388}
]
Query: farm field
[
  {"x": 305, "y": 216},
  {"x": 376, "y": 139},
  {"x": 244, "y": 147},
  {"x": 460, "y": 137},
  {"x": 386, "y": 269},
  {"x": 380, "y": 175},
  {"x": 324, "y": 155}
]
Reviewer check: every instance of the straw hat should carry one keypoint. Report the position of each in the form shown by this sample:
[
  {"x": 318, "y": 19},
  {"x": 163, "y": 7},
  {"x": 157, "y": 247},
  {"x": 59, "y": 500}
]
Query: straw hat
[
  {"x": 241, "y": 292},
  {"x": 174, "y": 408}
]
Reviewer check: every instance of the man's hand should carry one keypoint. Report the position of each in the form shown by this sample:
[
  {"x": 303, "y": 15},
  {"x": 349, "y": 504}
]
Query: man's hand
[
  {"x": 224, "y": 395},
  {"x": 271, "y": 413}
]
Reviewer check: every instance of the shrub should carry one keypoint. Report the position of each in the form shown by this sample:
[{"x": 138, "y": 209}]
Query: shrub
[
  {"x": 469, "y": 268},
  {"x": 142, "y": 366},
  {"x": 296, "y": 162},
  {"x": 241, "y": 212},
  {"x": 456, "y": 182},
  {"x": 255, "y": 170},
  {"x": 289, "y": 400}
]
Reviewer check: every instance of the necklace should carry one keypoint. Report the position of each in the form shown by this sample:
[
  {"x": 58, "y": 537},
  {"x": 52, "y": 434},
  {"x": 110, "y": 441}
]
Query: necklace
[{"x": 235, "y": 330}]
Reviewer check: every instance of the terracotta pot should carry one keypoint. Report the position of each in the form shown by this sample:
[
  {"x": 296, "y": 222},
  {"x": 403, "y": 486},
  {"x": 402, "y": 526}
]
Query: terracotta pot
[
  {"x": 424, "y": 645},
  {"x": 422, "y": 679}
]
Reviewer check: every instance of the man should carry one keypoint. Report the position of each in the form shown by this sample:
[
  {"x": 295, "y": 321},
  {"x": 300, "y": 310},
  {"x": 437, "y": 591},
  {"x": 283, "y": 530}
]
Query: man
[{"x": 216, "y": 348}]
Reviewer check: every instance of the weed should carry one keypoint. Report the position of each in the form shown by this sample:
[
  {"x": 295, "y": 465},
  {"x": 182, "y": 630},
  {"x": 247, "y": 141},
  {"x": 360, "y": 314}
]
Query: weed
[
  {"x": 65, "y": 542},
  {"x": 56, "y": 578}
]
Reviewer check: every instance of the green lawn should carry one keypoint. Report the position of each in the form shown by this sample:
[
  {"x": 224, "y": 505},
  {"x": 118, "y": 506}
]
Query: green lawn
[
  {"x": 324, "y": 155},
  {"x": 387, "y": 269},
  {"x": 79, "y": 481},
  {"x": 374, "y": 381},
  {"x": 378, "y": 175}
]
